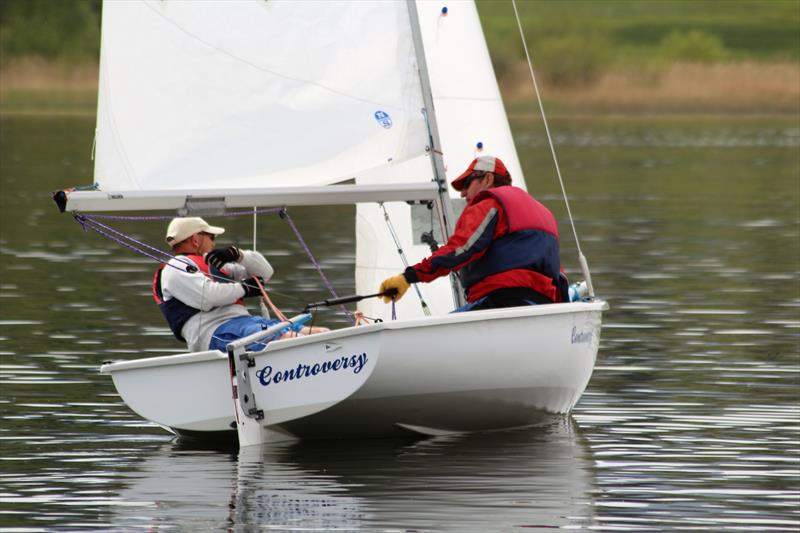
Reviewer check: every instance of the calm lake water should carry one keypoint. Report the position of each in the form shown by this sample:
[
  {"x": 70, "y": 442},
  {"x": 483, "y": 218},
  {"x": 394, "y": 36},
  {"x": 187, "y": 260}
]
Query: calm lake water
[{"x": 690, "y": 422}]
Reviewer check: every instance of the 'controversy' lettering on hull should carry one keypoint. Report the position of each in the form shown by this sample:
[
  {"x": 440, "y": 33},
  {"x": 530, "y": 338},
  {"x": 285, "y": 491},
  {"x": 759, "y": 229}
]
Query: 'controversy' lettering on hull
[{"x": 268, "y": 375}]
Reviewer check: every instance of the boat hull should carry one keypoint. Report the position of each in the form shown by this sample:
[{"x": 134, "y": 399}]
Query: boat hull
[
  {"x": 188, "y": 394},
  {"x": 476, "y": 371}
]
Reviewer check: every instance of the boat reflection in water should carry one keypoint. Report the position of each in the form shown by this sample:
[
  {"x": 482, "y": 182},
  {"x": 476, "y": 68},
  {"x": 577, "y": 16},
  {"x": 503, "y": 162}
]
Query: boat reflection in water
[{"x": 538, "y": 477}]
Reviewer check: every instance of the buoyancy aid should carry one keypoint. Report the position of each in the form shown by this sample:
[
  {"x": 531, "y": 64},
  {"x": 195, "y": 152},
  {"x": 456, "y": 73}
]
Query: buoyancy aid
[
  {"x": 531, "y": 243},
  {"x": 175, "y": 311}
]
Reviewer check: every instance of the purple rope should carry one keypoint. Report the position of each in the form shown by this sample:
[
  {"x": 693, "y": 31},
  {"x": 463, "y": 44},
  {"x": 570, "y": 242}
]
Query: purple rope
[
  {"x": 122, "y": 217},
  {"x": 253, "y": 212},
  {"x": 90, "y": 222},
  {"x": 170, "y": 217},
  {"x": 96, "y": 227},
  {"x": 83, "y": 219},
  {"x": 285, "y": 215}
]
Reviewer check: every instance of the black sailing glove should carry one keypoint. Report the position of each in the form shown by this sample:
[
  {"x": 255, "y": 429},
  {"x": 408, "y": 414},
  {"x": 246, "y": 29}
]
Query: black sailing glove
[
  {"x": 221, "y": 256},
  {"x": 251, "y": 287}
]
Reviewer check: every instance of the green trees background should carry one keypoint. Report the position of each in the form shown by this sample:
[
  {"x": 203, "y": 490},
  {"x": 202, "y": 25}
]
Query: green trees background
[
  {"x": 573, "y": 41},
  {"x": 52, "y": 29}
]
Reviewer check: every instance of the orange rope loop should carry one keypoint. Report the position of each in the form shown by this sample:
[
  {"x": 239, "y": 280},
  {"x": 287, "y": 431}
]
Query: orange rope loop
[{"x": 271, "y": 305}]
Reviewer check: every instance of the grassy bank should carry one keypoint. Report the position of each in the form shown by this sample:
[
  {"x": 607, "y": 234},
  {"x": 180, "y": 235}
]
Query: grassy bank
[
  {"x": 649, "y": 56},
  {"x": 591, "y": 56},
  {"x": 577, "y": 41},
  {"x": 747, "y": 87},
  {"x": 38, "y": 86},
  {"x": 35, "y": 85}
]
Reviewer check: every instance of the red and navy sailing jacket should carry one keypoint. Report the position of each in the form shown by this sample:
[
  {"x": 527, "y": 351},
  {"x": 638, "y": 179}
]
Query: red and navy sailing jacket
[{"x": 504, "y": 238}]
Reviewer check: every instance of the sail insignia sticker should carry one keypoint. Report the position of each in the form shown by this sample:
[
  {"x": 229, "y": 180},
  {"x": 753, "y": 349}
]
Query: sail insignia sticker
[{"x": 383, "y": 119}]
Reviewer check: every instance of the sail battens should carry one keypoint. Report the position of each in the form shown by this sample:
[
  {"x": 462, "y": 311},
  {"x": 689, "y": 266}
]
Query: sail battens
[{"x": 183, "y": 201}]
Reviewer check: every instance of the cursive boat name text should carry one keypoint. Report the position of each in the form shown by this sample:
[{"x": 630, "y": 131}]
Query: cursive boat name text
[
  {"x": 267, "y": 375},
  {"x": 581, "y": 337}
]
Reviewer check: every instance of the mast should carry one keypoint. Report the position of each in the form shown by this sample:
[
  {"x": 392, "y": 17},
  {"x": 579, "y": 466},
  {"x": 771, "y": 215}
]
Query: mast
[{"x": 444, "y": 210}]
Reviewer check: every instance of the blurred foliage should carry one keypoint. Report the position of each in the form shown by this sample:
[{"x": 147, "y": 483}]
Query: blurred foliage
[
  {"x": 638, "y": 34},
  {"x": 571, "y": 41},
  {"x": 694, "y": 46},
  {"x": 53, "y": 29},
  {"x": 574, "y": 60}
]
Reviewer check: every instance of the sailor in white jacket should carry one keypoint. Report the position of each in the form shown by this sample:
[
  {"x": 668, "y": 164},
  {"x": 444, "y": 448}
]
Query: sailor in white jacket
[{"x": 201, "y": 289}]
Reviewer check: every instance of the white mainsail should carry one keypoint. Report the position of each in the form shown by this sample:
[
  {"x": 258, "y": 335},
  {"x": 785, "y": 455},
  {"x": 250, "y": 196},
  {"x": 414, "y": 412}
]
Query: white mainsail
[
  {"x": 253, "y": 96},
  {"x": 250, "y": 93}
]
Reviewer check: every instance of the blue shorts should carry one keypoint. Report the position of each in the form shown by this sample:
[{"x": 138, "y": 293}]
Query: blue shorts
[{"x": 239, "y": 327}]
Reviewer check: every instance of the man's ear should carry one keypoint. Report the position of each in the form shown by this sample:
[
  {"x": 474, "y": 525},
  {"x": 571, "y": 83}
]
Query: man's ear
[{"x": 489, "y": 180}]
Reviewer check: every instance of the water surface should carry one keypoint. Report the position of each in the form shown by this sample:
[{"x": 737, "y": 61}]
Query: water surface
[{"x": 690, "y": 422}]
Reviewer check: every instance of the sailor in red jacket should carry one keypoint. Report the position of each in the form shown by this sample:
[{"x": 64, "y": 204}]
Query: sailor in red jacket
[{"x": 504, "y": 247}]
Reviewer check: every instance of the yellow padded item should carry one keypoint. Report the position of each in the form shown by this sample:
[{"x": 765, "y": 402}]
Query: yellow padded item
[{"x": 395, "y": 282}]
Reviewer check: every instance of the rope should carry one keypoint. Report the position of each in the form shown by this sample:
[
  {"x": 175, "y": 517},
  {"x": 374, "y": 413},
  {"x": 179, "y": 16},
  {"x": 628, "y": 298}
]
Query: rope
[
  {"x": 285, "y": 215},
  {"x": 170, "y": 217},
  {"x": 127, "y": 241},
  {"x": 361, "y": 319},
  {"x": 581, "y": 257},
  {"x": 271, "y": 305},
  {"x": 425, "y": 309},
  {"x": 87, "y": 222},
  {"x": 255, "y": 229}
]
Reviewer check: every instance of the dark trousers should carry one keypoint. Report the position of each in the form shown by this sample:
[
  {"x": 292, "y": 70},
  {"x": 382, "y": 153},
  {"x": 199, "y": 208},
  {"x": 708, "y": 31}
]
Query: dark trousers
[{"x": 508, "y": 297}]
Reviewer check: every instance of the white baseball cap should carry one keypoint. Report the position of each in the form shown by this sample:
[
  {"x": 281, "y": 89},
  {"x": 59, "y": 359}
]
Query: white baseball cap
[{"x": 180, "y": 229}]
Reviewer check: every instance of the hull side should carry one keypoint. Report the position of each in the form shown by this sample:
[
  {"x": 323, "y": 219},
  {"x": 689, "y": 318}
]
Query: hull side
[
  {"x": 192, "y": 395},
  {"x": 470, "y": 372},
  {"x": 431, "y": 413},
  {"x": 456, "y": 377}
]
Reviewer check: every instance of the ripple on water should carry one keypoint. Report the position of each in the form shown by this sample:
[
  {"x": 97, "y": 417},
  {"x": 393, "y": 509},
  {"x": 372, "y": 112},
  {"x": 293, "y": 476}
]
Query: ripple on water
[
  {"x": 743, "y": 332},
  {"x": 656, "y": 138},
  {"x": 690, "y": 421},
  {"x": 761, "y": 223}
]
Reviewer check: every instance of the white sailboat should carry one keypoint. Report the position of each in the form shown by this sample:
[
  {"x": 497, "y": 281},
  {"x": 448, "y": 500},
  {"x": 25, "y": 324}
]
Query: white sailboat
[{"x": 252, "y": 103}]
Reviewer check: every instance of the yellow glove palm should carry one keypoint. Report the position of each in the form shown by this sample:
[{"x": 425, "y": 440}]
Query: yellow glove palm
[{"x": 397, "y": 282}]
